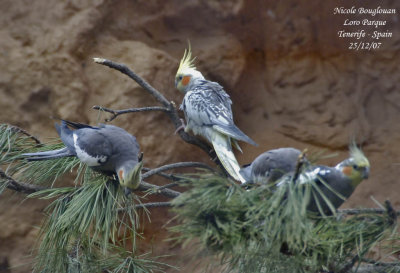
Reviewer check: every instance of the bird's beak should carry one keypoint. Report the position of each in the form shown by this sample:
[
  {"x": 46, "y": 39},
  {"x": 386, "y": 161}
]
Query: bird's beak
[
  {"x": 176, "y": 84},
  {"x": 365, "y": 173},
  {"x": 137, "y": 175}
]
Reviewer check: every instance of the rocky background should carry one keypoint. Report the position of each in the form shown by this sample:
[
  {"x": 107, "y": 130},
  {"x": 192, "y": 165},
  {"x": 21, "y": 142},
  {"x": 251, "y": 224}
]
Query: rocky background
[{"x": 292, "y": 80}]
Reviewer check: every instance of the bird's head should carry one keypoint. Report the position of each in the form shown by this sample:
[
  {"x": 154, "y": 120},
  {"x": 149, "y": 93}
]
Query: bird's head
[
  {"x": 130, "y": 175},
  {"x": 356, "y": 167},
  {"x": 187, "y": 72}
]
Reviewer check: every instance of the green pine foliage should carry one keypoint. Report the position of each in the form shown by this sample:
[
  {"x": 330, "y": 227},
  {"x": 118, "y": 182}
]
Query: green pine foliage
[
  {"x": 268, "y": 228},
  {"x": 89, "y": 227},
  {"x": 92, "y": 226}
]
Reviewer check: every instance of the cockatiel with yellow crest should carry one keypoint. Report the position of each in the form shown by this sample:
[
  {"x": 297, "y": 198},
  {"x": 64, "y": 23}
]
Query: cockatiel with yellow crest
[
  {"x": 335, "y": 184},
  {"x": 208, "y": 112}
]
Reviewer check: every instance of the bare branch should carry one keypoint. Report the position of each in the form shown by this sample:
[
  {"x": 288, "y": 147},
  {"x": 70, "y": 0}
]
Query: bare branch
[
  {"x": 172, "y": 177},
  {"x": 153, "y": 205},
  {"x": 379, "y": 263},
  {"x": 392, "y": 213},
  {"x": 17, "y": 129},
  {"x": 116, "y": 113},
  {"x": 19, "y": 186},
  {"x": 170, "y": 185},
  {"x": 377, "y": 269},
  {"x": 172, "y": 111},
  {"x": 156, "y": 189},
  {"x": 125, "y": 70},
  {"x": 364, "y": 211},
  {"x": 175, "y": 166}
]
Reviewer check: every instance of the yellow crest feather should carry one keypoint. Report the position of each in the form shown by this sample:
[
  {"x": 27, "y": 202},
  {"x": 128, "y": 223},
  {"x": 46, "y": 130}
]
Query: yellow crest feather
[
  {"x": 187, "y": 62},
  {"x": 358, "y": 155}
]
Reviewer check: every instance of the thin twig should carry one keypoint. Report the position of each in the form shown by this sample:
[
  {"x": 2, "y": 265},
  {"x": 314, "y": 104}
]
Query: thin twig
[
  {"x": 300, "y": 162},
  {"x": 364, "y": 211},
  {"x": 125, "y": 70},
  {"x": 170, "y": 185},
  {"x": 350, "y": 265},
  {"x": 19, "y": 186},
  {"x": 377, "y": 269},
  {"x": 168, "y": 176},
  {"x": 148, "y": 205},
  {"x": 153, "y": 205},
  {"x": 156, "y": 189},
  {"x": 175, "y": 166},
  {"x": 17, "y": 129},
  {"x": 116, "y": 113},
  {"x": 379, "y": 263}
]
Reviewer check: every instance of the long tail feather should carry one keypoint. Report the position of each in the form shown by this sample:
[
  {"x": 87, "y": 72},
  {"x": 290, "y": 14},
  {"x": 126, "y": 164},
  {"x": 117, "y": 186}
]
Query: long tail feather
[
  {"x": 223, "y": 148},
  {"x": 64, "y": 152}
]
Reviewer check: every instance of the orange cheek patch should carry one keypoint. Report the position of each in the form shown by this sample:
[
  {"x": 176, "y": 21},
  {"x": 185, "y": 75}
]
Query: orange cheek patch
[
  {"x": 186, "y": 80},
  {"x": 347, "y": 171},
  {"x": 120, "y": 174}
]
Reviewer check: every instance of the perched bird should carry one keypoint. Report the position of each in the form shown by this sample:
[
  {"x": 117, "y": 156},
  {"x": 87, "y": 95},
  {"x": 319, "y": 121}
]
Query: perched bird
[
  {"x": 271, "y": 165},
  {"x": 335, "y": 184},
  {"x": 107, "y": 149},
  {"x": 208, "y": 112}
]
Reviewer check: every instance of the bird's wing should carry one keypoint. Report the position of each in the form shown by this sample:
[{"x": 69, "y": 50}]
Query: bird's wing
[
  {"x": 92, "y": 146},
  {"x": 273, "y": 164},
  {"x": 208, "y": 106}
]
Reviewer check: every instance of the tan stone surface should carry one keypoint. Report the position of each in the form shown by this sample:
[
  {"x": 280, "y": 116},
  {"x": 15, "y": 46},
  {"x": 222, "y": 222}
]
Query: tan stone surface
[{"x": 292, "y": 81}]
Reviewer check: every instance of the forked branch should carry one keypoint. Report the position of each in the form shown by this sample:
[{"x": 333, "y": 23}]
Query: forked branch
[{"x": 169, "y": 106}]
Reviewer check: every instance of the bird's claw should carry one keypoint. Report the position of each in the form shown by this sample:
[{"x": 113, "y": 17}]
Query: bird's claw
[{"x": 182, "y": 127}]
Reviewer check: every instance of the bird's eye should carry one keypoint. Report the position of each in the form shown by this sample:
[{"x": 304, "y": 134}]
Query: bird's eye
[
  {"x": 355, "y": 167},
  {"x": 180, "y": 78}
]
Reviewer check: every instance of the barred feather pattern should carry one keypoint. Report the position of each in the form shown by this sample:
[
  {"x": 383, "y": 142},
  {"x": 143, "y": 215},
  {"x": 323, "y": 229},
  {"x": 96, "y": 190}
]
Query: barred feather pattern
[{"x": 207, "y": 109}]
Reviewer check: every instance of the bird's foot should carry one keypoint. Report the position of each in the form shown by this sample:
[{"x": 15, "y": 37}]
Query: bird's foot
[{"x": 182, "y": 127}]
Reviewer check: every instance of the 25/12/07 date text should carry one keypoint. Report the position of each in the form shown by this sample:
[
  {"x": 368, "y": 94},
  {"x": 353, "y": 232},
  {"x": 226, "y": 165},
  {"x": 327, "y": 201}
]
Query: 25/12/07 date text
[{"x": 364, "y": 45}]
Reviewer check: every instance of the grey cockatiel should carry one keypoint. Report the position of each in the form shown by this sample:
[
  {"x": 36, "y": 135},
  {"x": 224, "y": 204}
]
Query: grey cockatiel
[
  {"x": 271, "y": 165},
  {"x": 335, "y": 183},
  {"x": 207, "y": 109},
  {"x": 107, "y": 149}
]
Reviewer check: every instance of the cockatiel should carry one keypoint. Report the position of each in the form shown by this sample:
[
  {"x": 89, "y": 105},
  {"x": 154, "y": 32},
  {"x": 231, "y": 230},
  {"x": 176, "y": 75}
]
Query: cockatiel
[
  {"x": 207, "y": 109},
  {"x": 335, "y": 183},
  {"x": 107, "y": 149},
  {"x": 271, "y": 165}
]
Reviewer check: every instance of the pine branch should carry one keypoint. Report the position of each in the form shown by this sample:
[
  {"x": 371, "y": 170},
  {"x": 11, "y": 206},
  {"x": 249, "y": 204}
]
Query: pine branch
[
  {"x": 170, "y": 106},
  {"x": 116, "y": 113},
  {"x": 19, "y": 186}
]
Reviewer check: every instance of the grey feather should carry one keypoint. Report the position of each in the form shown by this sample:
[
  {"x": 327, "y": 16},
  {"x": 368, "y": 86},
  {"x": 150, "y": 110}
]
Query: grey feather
[
  {"x": 331, "y": 182},
  {"x": 109, "y": 142},
  {"x": 271, "y": 165}
]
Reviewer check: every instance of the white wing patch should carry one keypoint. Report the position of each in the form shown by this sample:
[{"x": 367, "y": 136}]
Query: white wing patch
[
  {"x": 91, "y": 161},
  {"x": 306, "y": 177}
]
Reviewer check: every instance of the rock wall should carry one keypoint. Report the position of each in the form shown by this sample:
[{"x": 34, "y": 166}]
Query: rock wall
[{"x": 292, "y": 80}]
